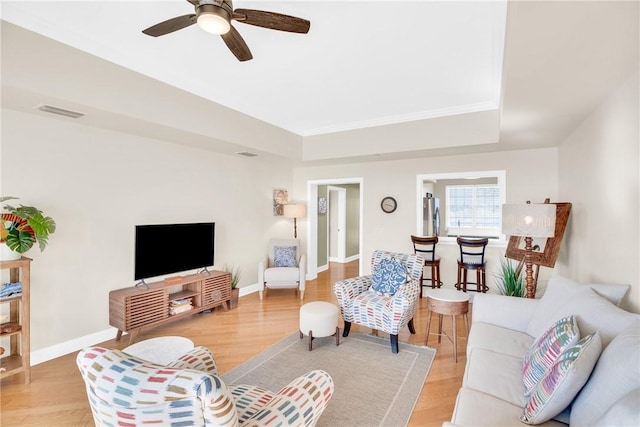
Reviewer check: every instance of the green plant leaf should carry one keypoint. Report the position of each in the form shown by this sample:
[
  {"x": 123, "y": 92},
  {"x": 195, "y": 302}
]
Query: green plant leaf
[
  {"x": 19, "y": 241},
  {"x": 235, "y": 274},
  {"x": 42, "y": 226},
  {"x": 5, "y": 198},
  {"x": 509, "y": 281}
]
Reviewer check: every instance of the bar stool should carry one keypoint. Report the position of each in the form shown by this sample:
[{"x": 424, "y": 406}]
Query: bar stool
[
  {"x": 472, "y": 258},
  {"x": 426, "y": 246}
]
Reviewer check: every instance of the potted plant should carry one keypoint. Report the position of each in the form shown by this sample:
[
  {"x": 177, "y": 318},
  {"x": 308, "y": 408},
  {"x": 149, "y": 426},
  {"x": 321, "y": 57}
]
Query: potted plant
[
  {"x": 235, "y": 280},
  {"x": 21, "y": 227},
  {"x": 509, "y": 281}
]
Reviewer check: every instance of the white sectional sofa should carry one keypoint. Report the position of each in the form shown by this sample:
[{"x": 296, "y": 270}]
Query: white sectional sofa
[{"x": 503, "y": 331}]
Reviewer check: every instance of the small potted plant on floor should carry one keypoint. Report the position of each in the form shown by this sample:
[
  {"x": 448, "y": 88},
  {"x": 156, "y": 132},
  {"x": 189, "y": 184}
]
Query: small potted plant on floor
[
  {"x": 235, "y": 279},
  {"x": 509, "y": 281},
  {"x": 21, "y": 227}
]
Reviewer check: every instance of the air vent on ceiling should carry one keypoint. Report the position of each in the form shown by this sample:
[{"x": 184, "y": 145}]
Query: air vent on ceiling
[
  {"x": 246, "y": 154},
  {"x": 60, "y": 111}
]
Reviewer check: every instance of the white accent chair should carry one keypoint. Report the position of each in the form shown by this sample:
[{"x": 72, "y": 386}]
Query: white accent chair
[{"x": 270, "y": 276}]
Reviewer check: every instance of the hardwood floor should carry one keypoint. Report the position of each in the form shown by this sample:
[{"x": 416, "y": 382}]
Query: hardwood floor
[{"x": 56, "y": 395}]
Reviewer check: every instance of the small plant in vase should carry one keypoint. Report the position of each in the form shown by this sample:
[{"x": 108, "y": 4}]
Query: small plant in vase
[
  {"x": 235, "y": 280},
  {"x": 21, "y": 227}
]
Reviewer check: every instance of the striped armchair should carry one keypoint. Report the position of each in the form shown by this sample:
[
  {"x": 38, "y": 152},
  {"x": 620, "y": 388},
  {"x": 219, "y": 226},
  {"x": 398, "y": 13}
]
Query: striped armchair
[
  {"x": 126, "y": 391},
  {"x": 361, "y": 305}
]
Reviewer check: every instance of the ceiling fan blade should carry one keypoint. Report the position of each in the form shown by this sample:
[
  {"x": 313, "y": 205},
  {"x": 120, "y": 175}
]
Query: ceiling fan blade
[
  {"x": 272, "y": 20},
  {"x": 236, "y": 45},
  {"x": 170, "y": 25}
]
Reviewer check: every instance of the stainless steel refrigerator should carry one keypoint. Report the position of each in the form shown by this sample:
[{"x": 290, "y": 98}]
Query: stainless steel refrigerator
[{"x": 431, "y": 216}]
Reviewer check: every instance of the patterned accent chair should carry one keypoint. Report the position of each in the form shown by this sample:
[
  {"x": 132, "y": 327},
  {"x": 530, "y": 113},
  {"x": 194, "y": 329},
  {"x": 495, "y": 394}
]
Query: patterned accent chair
[
  {"x": 127, "y": 391},
  {"x": 361, "y": 305},
  {"x": 274, "y": 272}
]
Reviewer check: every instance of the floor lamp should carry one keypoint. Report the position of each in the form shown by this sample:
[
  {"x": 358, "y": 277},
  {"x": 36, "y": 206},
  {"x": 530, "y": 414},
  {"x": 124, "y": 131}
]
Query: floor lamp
[
  {"x": 295, "y": 212},
  {"x": 529, "y": 221}
]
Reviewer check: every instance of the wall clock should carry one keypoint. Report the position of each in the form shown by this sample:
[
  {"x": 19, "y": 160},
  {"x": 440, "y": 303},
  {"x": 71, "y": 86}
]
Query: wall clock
[{"x": 388, "y": 204}]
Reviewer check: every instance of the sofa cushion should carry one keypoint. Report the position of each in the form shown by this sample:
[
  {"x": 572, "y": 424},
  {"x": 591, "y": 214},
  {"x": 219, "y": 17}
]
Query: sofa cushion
[
  {"x": 495, "y": 374},
  {"x": 281, "y": 275},
  {"x": 474, "y": 408},
  {"x": 612, "y": 292},
  {"x": 563, "y": 381},
  {"x": 593, "y": 312},
  {"x": 547, "y": 349},
  {"x": 624, "y": 412},
  {"x": 284, "y": 256},
  {"x": 498, "y": 339},
  {"x": 616, "y": 374},
  {"x": 388, "y": 276}
]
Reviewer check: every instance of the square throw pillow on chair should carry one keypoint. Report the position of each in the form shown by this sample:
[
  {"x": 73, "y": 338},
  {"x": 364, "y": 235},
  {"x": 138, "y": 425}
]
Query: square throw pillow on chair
[
  {"x": 388, "y": 276},
  {"x": 284, "y": 256},
  {"x": 547, "y": 349},
  {"x": 563, "y": 381}
]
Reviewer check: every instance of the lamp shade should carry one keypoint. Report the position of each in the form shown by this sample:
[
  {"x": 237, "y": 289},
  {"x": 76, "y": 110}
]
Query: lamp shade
[
  {"x": 529, "y": 220},
  {"x": 295, "y": 211}
]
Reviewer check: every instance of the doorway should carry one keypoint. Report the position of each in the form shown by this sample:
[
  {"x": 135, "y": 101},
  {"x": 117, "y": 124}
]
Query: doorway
[{"x": 343, "y": 201}]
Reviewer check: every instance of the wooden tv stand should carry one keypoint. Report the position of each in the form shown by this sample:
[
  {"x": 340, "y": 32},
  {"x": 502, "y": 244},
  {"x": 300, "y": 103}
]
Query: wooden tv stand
[{"x": 134, "y": 308}]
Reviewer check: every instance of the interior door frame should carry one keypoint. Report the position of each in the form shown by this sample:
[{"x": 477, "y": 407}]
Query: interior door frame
[
  {"x": 312, "y": 218},
  {"x": 342, "y": 223}
]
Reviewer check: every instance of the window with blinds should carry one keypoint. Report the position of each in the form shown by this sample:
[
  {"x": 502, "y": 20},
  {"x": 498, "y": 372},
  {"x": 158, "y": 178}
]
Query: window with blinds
[{"x": 473, "y": 210}]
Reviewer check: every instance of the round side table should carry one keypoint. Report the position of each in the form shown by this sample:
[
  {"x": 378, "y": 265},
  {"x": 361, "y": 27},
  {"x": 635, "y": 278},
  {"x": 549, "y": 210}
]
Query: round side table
[
  {"x": 160, "y": 350},
  {"x": 447, "y": 302}
]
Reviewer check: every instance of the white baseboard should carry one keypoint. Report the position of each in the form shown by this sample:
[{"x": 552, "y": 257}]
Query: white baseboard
[
  {"x": 322, "y": 268},
  {"x": 77, "y": 344},
  {"x": 246, "y": 290},
  {"x": 70, "y": 346},
  {"x": 344, "y": 260},
  {"x": 353, "y": 258}
]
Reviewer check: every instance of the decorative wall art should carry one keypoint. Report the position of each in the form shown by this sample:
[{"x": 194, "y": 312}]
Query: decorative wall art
[
  {"x": 280, "y": 198},
  {"x": 322, "y": 205}
]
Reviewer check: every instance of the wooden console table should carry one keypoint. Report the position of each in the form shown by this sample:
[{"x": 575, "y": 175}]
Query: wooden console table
[{"x": 134, "y": 308}]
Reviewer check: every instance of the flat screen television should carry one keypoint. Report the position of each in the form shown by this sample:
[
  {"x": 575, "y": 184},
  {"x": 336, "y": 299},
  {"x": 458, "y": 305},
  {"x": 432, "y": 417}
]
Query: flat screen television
[{"x": 172, "y": 248}]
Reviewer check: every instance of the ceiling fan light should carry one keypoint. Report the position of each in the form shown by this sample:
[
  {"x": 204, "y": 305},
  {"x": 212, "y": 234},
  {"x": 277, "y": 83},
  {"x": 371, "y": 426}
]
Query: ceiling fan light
[{"x": 213, "y": 19}]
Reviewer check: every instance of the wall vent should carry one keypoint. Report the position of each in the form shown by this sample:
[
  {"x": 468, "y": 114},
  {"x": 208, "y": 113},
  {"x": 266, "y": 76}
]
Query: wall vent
[
  {"x": 60, "y": 111},
  {"x": 246, "y": 154}
]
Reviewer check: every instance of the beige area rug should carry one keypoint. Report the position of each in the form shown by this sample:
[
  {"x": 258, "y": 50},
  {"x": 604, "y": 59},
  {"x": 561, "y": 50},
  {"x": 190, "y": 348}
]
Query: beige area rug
[{"x": 373, "y": 387}]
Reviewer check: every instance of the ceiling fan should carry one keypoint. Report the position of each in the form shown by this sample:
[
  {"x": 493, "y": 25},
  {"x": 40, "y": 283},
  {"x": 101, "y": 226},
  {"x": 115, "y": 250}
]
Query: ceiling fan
[{"x": 214, "y": 16}]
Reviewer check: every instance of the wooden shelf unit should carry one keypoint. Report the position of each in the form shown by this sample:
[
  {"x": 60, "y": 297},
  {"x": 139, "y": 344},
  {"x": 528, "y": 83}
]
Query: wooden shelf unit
[
  {"x": 18, "y": 358},
  {"x": 134, "y": 308}
]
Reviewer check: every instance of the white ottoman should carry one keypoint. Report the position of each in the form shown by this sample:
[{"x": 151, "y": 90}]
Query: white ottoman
[
  {"x": 160, "y": 350},
  {"x": 319, "y": 319}
]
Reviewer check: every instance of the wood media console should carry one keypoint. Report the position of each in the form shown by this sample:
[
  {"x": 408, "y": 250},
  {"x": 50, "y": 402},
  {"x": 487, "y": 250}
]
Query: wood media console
[{"x": 134, "y": 308}]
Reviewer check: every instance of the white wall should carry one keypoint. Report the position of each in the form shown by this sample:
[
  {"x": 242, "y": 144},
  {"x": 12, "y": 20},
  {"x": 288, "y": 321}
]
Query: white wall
[
  {"x": 531, "y": 175},
  {"x": 98, "y": 184},
  {"x": 599, "y": 174}
]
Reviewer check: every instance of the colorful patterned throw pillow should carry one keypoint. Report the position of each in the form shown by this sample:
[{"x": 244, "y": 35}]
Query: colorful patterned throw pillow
[
  {"x": 388, "y": 276},
  {"x": 284, "y": 256},
  {"x": 547, "y": 349},
  {"x": 562, "y": 382}
]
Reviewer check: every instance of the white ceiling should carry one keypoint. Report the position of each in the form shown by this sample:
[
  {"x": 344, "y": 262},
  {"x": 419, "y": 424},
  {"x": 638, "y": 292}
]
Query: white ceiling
[{"x": 530, "y": 74}]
